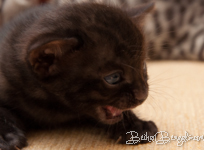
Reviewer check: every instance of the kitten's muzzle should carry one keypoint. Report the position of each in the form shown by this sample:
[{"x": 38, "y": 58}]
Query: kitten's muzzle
[{"x": 141, "y": 96}]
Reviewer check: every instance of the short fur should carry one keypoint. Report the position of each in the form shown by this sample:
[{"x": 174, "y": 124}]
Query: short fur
[{"x": 53, "y": 65}]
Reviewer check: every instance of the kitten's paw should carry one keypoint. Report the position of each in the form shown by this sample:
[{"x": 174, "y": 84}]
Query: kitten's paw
[
  {"x": 149, "y": 130},
  {"x": 11, "y": 134},
  {"x": 132, "y": 130},
  {"x": 135, "y": 134},
  {"x": 13, "y": 139}
]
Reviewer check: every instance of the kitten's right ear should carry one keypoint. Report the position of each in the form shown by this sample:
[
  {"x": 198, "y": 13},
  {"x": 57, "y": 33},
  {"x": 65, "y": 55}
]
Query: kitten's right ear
[
  {"x": 138, "y": 13},
  {"x": 45, "y": 58}
]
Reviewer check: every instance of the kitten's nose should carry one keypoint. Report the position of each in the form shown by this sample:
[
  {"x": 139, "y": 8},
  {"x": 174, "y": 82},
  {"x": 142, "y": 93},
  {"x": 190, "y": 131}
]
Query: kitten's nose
[{"x": 141, "y": 95}]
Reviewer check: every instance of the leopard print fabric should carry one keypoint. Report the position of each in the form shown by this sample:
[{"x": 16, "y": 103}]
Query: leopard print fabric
[{"x": 176, "y": 30}]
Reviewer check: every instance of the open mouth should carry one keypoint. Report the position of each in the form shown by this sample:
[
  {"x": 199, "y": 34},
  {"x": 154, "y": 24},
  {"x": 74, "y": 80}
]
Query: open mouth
[{"x": 111, "y": 114}]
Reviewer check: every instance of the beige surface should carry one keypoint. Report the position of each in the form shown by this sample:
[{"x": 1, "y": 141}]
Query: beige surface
[{"x": 175, "y": 103}]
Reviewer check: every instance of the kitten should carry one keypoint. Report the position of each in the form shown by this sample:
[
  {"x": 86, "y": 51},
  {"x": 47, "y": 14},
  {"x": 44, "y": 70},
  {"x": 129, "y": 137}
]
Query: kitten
[{"x": 82, "y": 60}]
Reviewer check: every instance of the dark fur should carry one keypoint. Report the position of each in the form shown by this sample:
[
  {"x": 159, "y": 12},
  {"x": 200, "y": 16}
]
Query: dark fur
[{"x": 85, "y": 43}]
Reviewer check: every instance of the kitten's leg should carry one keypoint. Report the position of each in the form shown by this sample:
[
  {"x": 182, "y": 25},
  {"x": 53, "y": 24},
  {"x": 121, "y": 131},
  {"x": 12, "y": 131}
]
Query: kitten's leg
[
  {"x": 121, "y": 130},
  {"x": 11, "y": 135}
]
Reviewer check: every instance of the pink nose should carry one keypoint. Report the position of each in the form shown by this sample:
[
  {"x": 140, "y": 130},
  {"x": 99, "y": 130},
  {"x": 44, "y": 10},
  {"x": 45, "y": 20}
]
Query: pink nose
[{"x": 140, "y": 94}]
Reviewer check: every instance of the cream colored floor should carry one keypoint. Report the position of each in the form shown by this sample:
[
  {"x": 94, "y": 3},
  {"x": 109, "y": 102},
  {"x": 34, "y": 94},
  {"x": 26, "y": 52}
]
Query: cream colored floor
[{"x": 175, "y": 104}]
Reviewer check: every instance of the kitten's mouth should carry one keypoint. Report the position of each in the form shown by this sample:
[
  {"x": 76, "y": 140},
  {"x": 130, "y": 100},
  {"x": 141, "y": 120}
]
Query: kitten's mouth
[{"x": 110, "y": 114}]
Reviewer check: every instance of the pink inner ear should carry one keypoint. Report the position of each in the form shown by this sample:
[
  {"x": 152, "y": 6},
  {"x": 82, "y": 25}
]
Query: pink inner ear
[
  {"x": 44, "y": 58},
  {"x": 48, "y": 51}
]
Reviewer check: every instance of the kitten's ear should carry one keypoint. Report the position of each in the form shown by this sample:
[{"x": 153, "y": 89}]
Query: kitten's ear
[
  {"x": 44, "y": 58},
  {"x": 138, "y": 13}
]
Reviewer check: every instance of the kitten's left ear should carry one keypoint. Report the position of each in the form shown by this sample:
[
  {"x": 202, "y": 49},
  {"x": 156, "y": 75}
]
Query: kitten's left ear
[
  {"x": 138, "y": 13},
  {"x": 45, "y": 58}
]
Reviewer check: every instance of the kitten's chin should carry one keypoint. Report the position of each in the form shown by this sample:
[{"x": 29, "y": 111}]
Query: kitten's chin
[{"x": 109, "y": 114}]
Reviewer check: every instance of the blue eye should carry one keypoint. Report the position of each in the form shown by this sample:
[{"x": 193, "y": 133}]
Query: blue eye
[{"x": 113, "y": 78}]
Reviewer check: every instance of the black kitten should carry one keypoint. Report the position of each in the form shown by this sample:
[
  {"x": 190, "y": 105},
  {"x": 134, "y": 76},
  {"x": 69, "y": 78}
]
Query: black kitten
[{"x": 82, "y": 60}]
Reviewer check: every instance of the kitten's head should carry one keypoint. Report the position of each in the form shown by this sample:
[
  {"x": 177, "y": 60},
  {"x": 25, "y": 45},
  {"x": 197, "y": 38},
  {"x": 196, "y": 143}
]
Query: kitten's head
[{"x": 93, "y": 58}]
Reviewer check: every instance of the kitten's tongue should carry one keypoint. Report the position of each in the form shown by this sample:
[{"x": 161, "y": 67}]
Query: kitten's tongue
[{"x": 112, "y": 112}]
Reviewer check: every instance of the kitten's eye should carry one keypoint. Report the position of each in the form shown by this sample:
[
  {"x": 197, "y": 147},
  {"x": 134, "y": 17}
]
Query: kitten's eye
[{"x": 113, "y": 78}]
